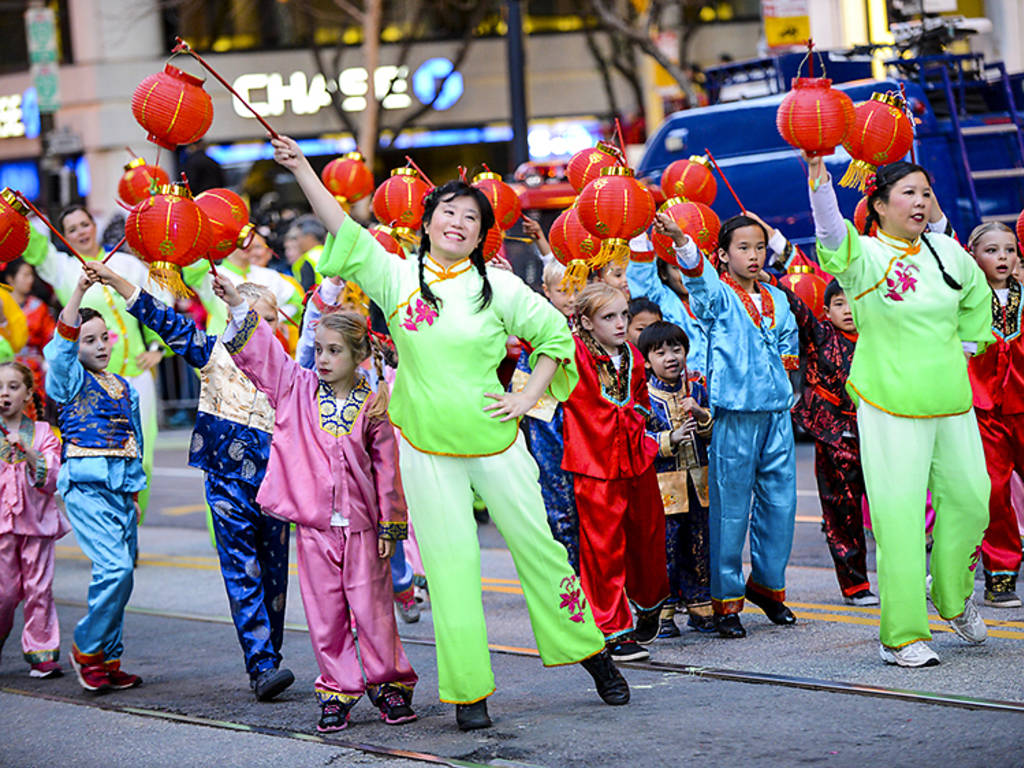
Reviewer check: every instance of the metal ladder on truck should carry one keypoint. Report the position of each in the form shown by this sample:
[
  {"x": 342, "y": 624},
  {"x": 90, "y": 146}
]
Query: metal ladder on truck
[{"x": 957, "y": 90}]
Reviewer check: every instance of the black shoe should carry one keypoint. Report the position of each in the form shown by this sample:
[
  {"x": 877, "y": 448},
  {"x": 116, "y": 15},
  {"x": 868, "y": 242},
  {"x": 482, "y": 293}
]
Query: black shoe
[
  {"x": 272, "y": 682},
  {"x": 471, "y": 717},
  {"x": 775, "y": 610},
  {"x": 667, "y": 628},
  {"x": 646, "y": 626},
  {"x": 729, "y": 626},
  {"x": 611, "y": 685},
  {"x": 1001, "y": 590},
  {"x": 625, "y": 648},
  {"x": 334, "y": 716},
  {"x": 393, "y": 703},
  {"x": 701, "y": 623}
]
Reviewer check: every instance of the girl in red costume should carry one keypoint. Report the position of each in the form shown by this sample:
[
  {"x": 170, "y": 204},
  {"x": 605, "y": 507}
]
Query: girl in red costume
[
  {"x": 612, "y": 461},
  {"x": 21, "y": 277}
]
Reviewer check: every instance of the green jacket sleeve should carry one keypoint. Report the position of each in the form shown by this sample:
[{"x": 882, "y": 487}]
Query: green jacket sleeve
[
  {"x": 845, "y": 262},
  {"x": 355, "y": 255}
]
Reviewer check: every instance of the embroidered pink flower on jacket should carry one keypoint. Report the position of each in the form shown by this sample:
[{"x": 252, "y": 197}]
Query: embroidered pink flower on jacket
[
  {"x": 572, "y": 599},
  {"x": 975, "y": 558},
  {"x": 901, "y": 281},
  {"x": 422, "y": 312}
]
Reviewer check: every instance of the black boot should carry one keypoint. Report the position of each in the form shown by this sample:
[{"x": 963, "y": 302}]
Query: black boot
[
  {"x": 611, "y": 685},
  {"x": 646, "y": 629},
  {"x": 470, "y": 717},
  {"x": 729, "y": 626},
  {"x": 271, "y": 682},
  {"x": 775, "y": 610}
]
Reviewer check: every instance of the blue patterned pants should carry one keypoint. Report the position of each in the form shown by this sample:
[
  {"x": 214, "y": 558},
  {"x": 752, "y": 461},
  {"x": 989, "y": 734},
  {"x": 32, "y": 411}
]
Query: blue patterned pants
[
  {"x": 686, "y": 550},
  {"x": 253, "y": 551}
]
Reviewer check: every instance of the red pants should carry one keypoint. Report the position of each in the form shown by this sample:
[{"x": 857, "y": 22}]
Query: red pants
[
  {"x": 1003, "y": 439},
  {"x": 622, "y": 551}
]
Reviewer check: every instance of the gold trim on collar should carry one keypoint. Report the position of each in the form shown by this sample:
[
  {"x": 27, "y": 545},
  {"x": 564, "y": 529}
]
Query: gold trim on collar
[
  {"x": 908, "y": 247},
  {"x": 444, "y": 273}
]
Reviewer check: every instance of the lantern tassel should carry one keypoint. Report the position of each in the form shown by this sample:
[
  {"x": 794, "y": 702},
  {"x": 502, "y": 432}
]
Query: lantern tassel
[
  {"x": 168, "y": 276},
  {"x": 857, "y": 173},
  {"x": 405, "y": 237},
  {"x": 613, "y": 250},
  {"x": 576, "y": 274}
]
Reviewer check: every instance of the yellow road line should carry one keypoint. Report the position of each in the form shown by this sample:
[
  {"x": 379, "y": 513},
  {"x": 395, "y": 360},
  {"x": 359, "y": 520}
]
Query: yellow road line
[
  {"x": 187, "y": 509},
  {"x": 808, "y": 518}
]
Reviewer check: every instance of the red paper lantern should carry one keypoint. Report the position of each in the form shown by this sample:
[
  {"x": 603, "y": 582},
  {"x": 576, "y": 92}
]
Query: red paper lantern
[
  {"x": 691, "y": 180},
  {"x": 574, "y": 247},
  {"x": 616, "y": 208},
  {"x": 140, "y": 180},
  {"x": 587, "y": 164},
  {"x": 809, "y": 286},
  {"x": 860, "y": 218},
  {"x": 398, "y": 203},
  {"x": 348, "y": 178},
  {"x": 169, "y": 231},
  {"x": 14, "y": 226},
  {"x": 493, "y": 242},
  {"x": 1020, "y": 229},
  {"x": 881, "y": 133},
  {"x": 173, "y": 107},
  {"x": 696, "y": 220},
  {"x": 229, "y": 221},
  {"x": 384, "y": 236},
  {"x": 502, "y": 197},
  {"x": 814, "y": 116}
]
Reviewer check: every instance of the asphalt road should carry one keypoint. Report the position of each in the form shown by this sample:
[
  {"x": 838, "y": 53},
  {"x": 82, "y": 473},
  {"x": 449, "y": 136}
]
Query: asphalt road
[{"x": 195, "y": 707}]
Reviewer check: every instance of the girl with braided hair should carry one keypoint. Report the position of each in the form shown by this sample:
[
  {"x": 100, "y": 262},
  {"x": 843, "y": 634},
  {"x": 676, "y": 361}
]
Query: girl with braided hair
[
  {"x": 919, "y": 302},
  {"x": 449, "y": 316}
]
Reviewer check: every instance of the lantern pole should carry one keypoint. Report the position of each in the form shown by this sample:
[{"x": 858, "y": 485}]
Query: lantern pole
[
  {"x": 419, "y": 170},
  {"x": 46, "y": 221},
  {"x": 115, "y": 249},
  {"x": 727, "y": 184},
  {"x": 183, "y": 47},
  {"x": 516, "y": 62}
]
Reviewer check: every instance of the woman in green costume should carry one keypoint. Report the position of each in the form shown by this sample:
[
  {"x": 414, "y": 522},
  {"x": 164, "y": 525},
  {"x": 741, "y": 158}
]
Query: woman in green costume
[
  {"x": 920, "y": 303},
  {"x": 449, "y": 316}
]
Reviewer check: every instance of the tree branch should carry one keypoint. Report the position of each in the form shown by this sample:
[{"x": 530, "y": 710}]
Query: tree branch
[{"x": 613, "y": 21}]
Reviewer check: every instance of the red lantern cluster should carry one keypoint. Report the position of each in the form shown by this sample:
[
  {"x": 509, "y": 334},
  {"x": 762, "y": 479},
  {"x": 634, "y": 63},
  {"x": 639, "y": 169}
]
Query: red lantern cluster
[
  {"x": 814, "y": 116},
  {"x": 696, "y": 220},
  {"x": 348, "y": 178},
  {"x": 398, "y": 202},
  {"x": 808, "y": 285},
  {"x": 14, "y": 227},
  {"x": 169, "y": 231},
  {"x": 616, "y": 208},
  {"x": 881, "y": 133},
  {"x": 691, "y": 180},
  {"x": 502, "y": 198},
  {"x": 229, "y": 221},
  {"x": 587, "y": 164},
  {"x": 383, "y": 235},
  {"x": 173, "y": 107},
  {"x": 573, "y": 246},
  {"x": 140, "y": 180}
]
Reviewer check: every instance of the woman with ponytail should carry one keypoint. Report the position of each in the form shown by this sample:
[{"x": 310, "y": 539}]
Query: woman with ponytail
[
  {"x": 449, "y": 316},
  {"x": 919, "y": 302}
]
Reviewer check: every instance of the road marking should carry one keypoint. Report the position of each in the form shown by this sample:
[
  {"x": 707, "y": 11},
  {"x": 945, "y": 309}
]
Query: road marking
[
  {"x": 177, "y": 472},
  {"x": 186, "y": 509}
]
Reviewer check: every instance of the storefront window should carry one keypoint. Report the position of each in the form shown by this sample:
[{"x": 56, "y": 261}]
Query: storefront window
[{"x": 14, "y": 51}]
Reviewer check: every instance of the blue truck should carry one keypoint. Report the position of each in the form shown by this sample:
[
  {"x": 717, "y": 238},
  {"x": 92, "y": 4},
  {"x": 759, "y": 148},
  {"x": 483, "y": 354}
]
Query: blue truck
[{"x": 968, "y": 135}]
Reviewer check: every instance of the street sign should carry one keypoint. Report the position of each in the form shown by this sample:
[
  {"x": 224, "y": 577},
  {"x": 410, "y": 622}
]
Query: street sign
[
  {"x": 45, "y": 78},
  {"x": 63, "y": 141},
  {"x": 41, "y": 36}
]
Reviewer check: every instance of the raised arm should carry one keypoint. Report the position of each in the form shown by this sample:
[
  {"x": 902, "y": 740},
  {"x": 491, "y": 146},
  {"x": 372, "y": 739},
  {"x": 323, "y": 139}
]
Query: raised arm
[
  {"x": 325, "y": 207},
  {"x": 323, "y": 301},
  {"x": 706, "y": 289},
  {"x": 65, "y": 374}
]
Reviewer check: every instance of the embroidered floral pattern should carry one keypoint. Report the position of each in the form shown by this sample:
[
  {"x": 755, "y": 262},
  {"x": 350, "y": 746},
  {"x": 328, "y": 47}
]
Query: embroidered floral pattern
[
  {"x": 974, "y": 559},
  {"x": 1006, "y": 319},
  {"x": 337, "y": 418},
  {"x": 901, "y": 280},
  {"x": 767, "y": 302},
  {"x": 420, "y": 313},
  {"x": 573, "y": 599}
]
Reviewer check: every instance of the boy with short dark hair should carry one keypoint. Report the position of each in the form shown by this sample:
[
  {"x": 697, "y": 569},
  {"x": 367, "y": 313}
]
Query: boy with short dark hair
[
  {"x": 680, "y": 422},
  {"x": 826, "y": 412},
  {"x": 100, "y": 477},
  {"x": 642, "y": 313}
]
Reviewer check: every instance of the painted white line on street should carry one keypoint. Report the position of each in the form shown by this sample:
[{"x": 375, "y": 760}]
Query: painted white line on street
[{"x": 176, "y": 472}]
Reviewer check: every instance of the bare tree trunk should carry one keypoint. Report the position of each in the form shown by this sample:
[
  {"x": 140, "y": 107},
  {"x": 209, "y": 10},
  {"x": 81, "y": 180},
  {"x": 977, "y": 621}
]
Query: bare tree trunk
[
  {"x": 369, "y": 127},
  {"x": 603, "y": 68}
]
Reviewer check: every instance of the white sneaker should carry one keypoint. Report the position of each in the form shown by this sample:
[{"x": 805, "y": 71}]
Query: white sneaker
[
  {"x": 969, "y": 626},
  {"x": 917, "y": 654},
  {"x": 864, "y": 597}
]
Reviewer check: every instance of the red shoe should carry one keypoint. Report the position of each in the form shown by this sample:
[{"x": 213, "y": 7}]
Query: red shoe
[
  {"x": 45, "y": 669},
  {"x": 91, "y": 672},
  {"x": 120, "y": 681}
]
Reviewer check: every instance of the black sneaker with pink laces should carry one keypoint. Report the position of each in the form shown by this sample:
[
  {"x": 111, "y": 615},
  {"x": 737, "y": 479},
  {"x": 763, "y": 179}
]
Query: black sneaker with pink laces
[{"x": 393, "y": 703}]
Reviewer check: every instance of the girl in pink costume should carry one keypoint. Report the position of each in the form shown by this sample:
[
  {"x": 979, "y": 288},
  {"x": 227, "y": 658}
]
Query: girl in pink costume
[
  {"x": 333, "y": 471},
  {"x": 30, "y": 522}
]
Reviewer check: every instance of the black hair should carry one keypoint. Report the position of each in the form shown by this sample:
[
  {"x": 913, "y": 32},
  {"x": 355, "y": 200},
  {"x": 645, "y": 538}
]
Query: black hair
[
  {"x": 10, "y": 269},
  {"x": 660, "y": 333},
  {"x": 71, "y": 209},
  {"x": 886, "y": 178},
  {"x": 85, "y": 314},
  {"x": 832, "y": 290},
  {"x": 445, "y": 193},
  {"x": 643, "y": 304},
  {"x": 730, "y": 225}
]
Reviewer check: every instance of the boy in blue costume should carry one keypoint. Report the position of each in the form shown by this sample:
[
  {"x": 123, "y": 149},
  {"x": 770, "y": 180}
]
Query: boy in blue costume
[
  {"x": 680, "y": 423},
  {"x": 754, "y": 342},
  {"x": 100, "y": 477},
  {"x": 231, "y": 444}
]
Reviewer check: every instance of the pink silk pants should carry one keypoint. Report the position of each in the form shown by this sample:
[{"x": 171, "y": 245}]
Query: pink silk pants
[{"x": 26, "y": 573}]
